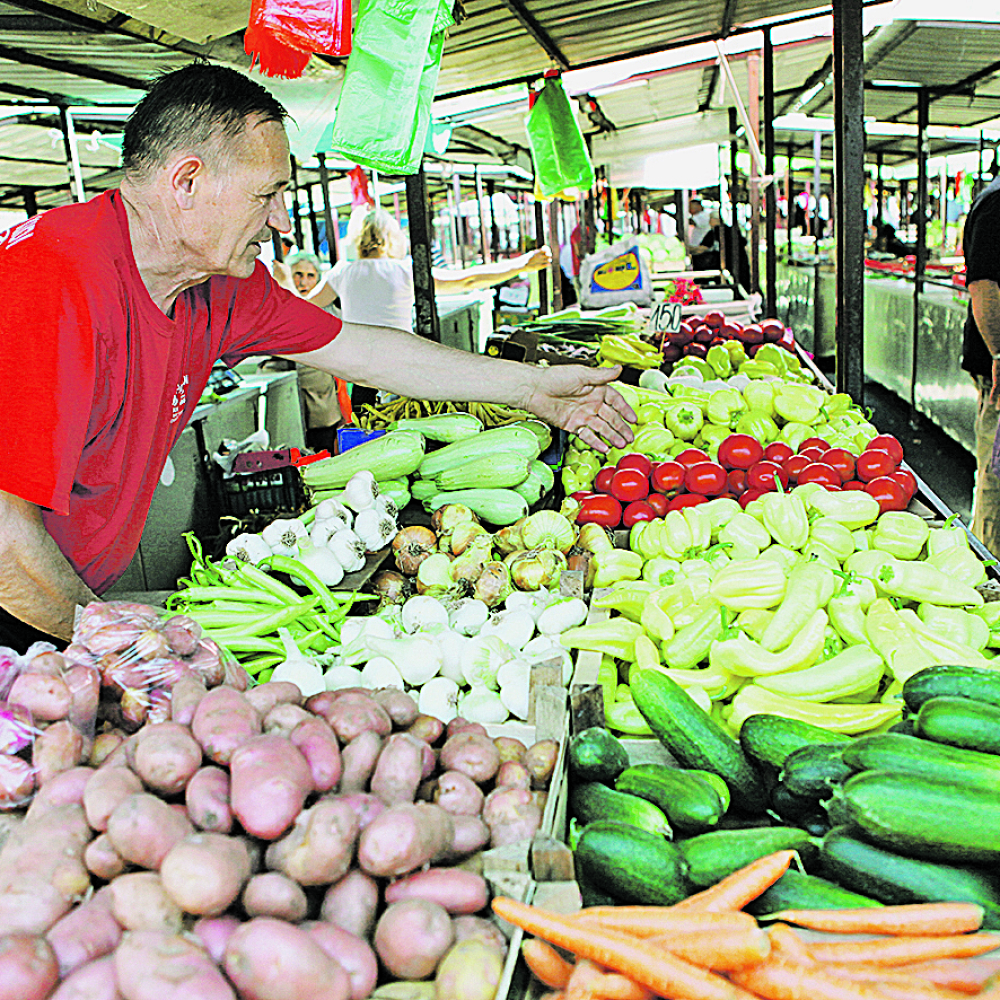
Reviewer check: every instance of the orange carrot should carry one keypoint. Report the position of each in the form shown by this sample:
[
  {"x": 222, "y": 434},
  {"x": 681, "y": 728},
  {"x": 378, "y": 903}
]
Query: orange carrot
[
  {"x": 546, "y": 964},
  {"x": 558, "y": 995},
  {"x": 654, "y": 968},
  {"x": 741, "y": 887},
  {"x": 901, "y": 950},
  {"x": 652, "y": 921},
  {"x": 719, "y": 950},
  {"x": 583, "y": 980},
  {"x": 778, "y": 978},
  {"x": 917, "y": 991},
  {"x": 915, "y": 918},
  {"x": 786, "y": 943},
  {"x": 897, "y": 983},
  {"x": 590, "y": 982},
  {"x": 966, "y": 975}
]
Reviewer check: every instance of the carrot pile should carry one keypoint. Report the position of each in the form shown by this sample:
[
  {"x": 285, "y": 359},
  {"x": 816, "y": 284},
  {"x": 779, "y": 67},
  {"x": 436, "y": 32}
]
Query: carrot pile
[{"x": 706, "y": 948}]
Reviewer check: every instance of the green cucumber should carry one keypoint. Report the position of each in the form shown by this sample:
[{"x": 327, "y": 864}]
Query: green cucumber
[
  {"x": 596, "y": 755},
  {"x": 716, "y": 782},
  {"x": 960, "y": 722},
  {"x": 689, "y": 802},
  {"x": 694, "y": 738},
  {"x": 895, "y": 879},
  {"x": 905, "y": 727},
  {"x": 923, "y": 759},
  {"x": 593, "y": 801},
  {"x": 768, "y": 739},
  {"x": 957, "y": 681},
  {"x": 712, "y": 856},
  {"x": 789, "y": 807},
  {"x": 813, "y": 770},
  {"x": 922, "y": 817},
  {"x": 632, "y": 865},
  {"x": 796, "y": 890}
]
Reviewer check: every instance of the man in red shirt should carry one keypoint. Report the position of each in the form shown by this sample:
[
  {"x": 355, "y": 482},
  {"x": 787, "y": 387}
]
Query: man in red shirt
[{"x": 102, "y": 366}]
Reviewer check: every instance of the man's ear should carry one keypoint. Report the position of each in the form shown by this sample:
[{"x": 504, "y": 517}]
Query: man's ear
[{"x": 186, "y": 175}]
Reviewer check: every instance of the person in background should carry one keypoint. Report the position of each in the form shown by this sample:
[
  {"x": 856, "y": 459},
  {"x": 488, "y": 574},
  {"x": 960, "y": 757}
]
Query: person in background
[
  {"x": 708, "y": 255},
  {"x": 981, "y": 352},
  {"x": 699, "y": 223},
  {"x": 888, "y": 241}
]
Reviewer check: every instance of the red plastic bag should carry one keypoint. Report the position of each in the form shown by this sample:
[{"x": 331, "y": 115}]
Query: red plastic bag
[{"x": 282, "y": 34}]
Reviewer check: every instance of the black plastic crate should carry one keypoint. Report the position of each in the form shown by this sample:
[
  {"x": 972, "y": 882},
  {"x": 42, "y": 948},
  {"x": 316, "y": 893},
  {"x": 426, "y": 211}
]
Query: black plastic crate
[{"x": 267, "y": 490}]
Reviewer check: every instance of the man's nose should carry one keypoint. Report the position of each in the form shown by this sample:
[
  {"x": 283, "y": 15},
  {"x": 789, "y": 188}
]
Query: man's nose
[{"x": 278, "y": 217}]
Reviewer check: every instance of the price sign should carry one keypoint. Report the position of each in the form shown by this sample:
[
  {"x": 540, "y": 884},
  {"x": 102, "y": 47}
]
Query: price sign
[{"x": 666, "y": 317}]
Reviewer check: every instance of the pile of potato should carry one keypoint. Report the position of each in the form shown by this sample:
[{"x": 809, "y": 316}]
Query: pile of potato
[{"x": 262, "y": 846}]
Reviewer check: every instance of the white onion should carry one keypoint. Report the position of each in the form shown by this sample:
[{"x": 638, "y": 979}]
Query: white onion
[
  {"x": 421, "y": 611},
  {"x": 381, "y": 672}
]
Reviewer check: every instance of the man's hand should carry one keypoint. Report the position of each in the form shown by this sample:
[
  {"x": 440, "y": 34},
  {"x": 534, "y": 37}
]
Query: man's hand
[
  {"x": 995, "y": 389},
  {"x": 579, "y": 400},
  {"x": 539, "y": 259}
]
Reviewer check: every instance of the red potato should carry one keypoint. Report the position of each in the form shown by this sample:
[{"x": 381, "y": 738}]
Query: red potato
[
  {"x": 353, "y": 713},
  {"x": 460, "y": 725},
  {"x": 85, "y": 933},
  {"x": 351, "y": 903},
  {"x": 401, "y": 707},
  {"x": 55, "y": 750},
  {"x": 84, "y": 684},
  {"x": 354, "y": 954},
  {"x": 151, "y": 965},
  {"x": 207, "y": 800},
  {"x": 208, "y": 663},
  {"x": 503, "y": 803},
  {"x": 104, "y": 745},
  {"x": 458, "y": 891},
  {"x": 28, "y": 968},
  {"x": 319, "y": 704},
  {"x": 540, "y": 760},
  {"x": 359, "y": 758},
  {"x": 233, "y": 674},
  {"x": 365, "y": 806},
  {"x": 205, "y": 873},
  {"x": 271, "y": 894},
  {"x": 404, "y": 838},
  {"x": 472, "y": 753},
  {"x": 399, "y": 769},
  {"x": 471, "y": 835},
  {"x": 426, "y": 727},
  {"x": 283, "y": 718},
  {"x": 264, "y": 697},
  {"x": 513, "y": 774},
  {"x": 46, "y": 696},
  {"x": 269, "y": 783},
  {"x": 412, "y": 936},
  {"x": 50, "y": 663},
  {"x": 102, "y": 859},
  {"x": 429, "y": 760},
  {"x": 17, "y": 782},
  {"x": 223, "y": 721},
  {"x": 182, "y": 634},
  {"x": 509, "y": 748},
  {"x": 268, "y": 959},
  {"x": 94, "y": 981},
  {"x": 480, "y": 929},
  {"x": 139, "y": 902},
  {"x": 318, "y": 744},
  {"x": 65, "y": 789},
  {"x": 320, "y": 846},
  {"x": 471, "y": 970},
  {"x": 214, "y": 934},
  {"x": 143, "y": 828},
  {"x": 166, "y": 757},
  {"x": 105, "y": 792},
  {"x": 185, "y": 695},
  {"x": 458, "y": 794}
]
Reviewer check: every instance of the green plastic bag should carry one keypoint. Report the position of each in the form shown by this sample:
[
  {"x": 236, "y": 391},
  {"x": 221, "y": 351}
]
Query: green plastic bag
[
  {"x": 385, "y": 104},
  {"x": 557, "y": 147}
]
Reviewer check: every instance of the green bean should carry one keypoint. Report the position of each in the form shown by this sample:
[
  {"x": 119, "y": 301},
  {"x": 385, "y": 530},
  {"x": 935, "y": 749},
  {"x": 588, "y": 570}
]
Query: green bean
[
  {"x": 265, "y": 675},
  {"x": 261, "y": 625},
  {"x": 248, "y": 573},
  {"x": 296, "y": 569},
  {"x": 248, "y": 594},
  {"x": 260, "y": 663},
  {"x": 253, "y": 644}
]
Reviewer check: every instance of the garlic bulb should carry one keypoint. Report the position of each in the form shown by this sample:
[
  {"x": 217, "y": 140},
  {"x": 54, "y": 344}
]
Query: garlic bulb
[
  {"x": 349, "y": 550},
  {"x": 284, "y": 534},
  {"x": 360, "y": 491},
  {"x": 248, "y": 548},
  {"x": 376, "y": 530}
]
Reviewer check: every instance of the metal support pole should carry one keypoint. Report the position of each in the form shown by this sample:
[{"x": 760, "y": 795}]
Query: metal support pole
[
  {"x": 484, "y": 242},
  {"x": 461, "y": 229},
  {"x": 543, "y": 277},
  {"x": 879, "y": 194},
  {"x": 313, "y": 221},
  {"x": 30, "y": 202},
  {"x": 420, "y": 249},
  {"x": 277, "y": 246},
  {"x": 943, "y": 203},
  {"x": 296, "y": 214},
  {"x": 817, "y": 185},
  {"x": 589, "y": 240},
  {"x": 72, "y": 154},
  {"x": 611, "y": 209},
  {"x": 753, "y": 109},
  {"x": 770, "y": 193},
  {"x": 849, "y": 190},
  {"x": 491, "y": 190},
  {"x": 923, "y": 151},
  {"x": 725, "y": 261},
  {"x": 790, "y": 199},
  {"x": 557, "y": 299},
  {"x": 324, "y": 185}
]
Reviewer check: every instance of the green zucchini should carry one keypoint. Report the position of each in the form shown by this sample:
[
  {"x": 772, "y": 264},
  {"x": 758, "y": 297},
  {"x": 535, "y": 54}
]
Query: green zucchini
[
  {"x": 632, "y": 865},
  {"x": 796, "y": 890},
  {"x": 923, "y": 817},
  {"x": 694, "y": 738},
  {"x": 593, "y": 801},
  {"x": 522, "y": 440},
  {"x": 712, "y": 856},
  {"x": 689, "y": 802},
  {"x": 768, "y": 739},
  {"x": 391, "y": 456},
  {"x": 813, "y": 770},
  {"x": 924, "y": 759},
  {"x": 446, "y": 427},
  {"x": 958, "y": 681},
  {"x": 594, "y": 754},
  {"x": 960, "y": 722},
  {"x": 895, "y": 879}
]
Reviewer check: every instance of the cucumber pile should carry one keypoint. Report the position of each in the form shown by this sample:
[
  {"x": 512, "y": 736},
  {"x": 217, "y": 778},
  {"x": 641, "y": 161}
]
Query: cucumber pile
[{"x": 905, "y": 816}]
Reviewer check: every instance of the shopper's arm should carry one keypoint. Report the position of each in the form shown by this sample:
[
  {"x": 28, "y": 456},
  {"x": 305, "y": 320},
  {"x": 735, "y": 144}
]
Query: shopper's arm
[
  {"x": 573, "y": 397},
  {"x": 985, "y": 296},
  {"x": 487, "y": 275},
  {"x": 37, "y": 584}
]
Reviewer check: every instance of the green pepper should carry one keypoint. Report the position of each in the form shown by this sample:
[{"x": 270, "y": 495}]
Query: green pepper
[
  {"x": 943, "y": 649},
  {"x": 784, "y": 558},
  {"x": 692, "y": 642},
  {"x": 862, "y": 538},
  {"x": 818, "y": 552},
  {"x": 700, "y": 365},
  {"x": 794, "y": 433},
  {"x": 718, "y": 358},
  {"x": 724, "y": 407},
  {"x": 746, "y": 658},
  {"x": 900, "y": 533},
  {"x": 746, "y": 535},
  {"x": 624, "y": 717},
  {"x": 607, "y": 677},
  {"x": 741, "y": 585},
  {"x": 785, "y": 519},
  {"x": 847, "y": 610},
  {"x": 759, "y": 369},
  {"x": 919, "y": 582},
  {"x": 711, "y": 436},
  {"x": 810, "y": 586},
  {"x": 852, "y": 508},
  {"x": 832, "y": 534},
  {"x": 798, "y": 403},
  {"x": 894, "y": 641},
  {"x": 737, "y": 352},
  {"x": 655, "y": 620},
  {"x": 990, "y": 613},
  {"x": 862, "y": 434},
  {"x": 838, "y": 403},
  {"x": 573, "y": 480},
  {"x": 683, "y": 419},
  {"x": 955, "y": 625},
  {"x": 660, "y": 570},
  {"x": 773, "y": 355},
  {"x": 806, "y": 491},
  {"x": 627, "y": 597},
  {"x": 616, "y": 637},
  {"x": 867, "y": 562},
  {"x": 759, "y": 396},
  {"x": 652, "y": 439},
  {"x": 614, "y": 565},
  {"x": 719, "y": 512},
  {"x": 753, "y": 621},
  {"x": 833, "y": 645},
  {"x": 757, "y": 424},
  {"x": 962, "y": 565},
  {"x": 700, "y": 526},
  {"x": 951, "y": 536}
]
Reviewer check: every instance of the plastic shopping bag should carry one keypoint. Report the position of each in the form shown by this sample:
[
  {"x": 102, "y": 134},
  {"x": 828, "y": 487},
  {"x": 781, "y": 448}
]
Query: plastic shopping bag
[
  {"x": 282, "y": 34},
  {"x": 385, "y": 104},
  {"x": 557, "y": 147}
]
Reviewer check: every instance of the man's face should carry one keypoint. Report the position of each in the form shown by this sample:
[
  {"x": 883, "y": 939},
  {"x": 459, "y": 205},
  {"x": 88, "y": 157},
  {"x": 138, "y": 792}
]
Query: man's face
[
  {"x": 305, "y": 277},
  {"x": 242, "y": 201},
  {"x": 694, "y": 207}
]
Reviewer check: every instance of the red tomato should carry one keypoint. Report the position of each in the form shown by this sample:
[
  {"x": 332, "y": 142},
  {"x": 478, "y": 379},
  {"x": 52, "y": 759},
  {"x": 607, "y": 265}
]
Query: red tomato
[
  {"x": 714, "y": 318},
  {"x": 873, "y": 462},
  {"x": 752, "y": 334},
  {"x": 686, "y": 500},
  {"x": 762, "y": 476},
  {"x": 815, "y": 442},
  {"x": 890, "y": 494},
  {"x": 749, "y": 495},
  {"x": 668, "y": 477},
  {"x": 853, "y": 484},
  {"x": 773, "y": 329},
  {"x": 907, "y": 480},
  {"x": 740, "y": 451},
  {"x": 602, "y": 481},
  {"x": 842, "y": 460},
  {"x": 887, "y": 442},
  {"x": 629, "y": 484},
  {"x": 778, "y": 451},
  {"x": 691, "y": 456},
  {"x": 814, "y": 454},
  {"x": 817, "y": 472},
  {"x": 658, "y": 502},
  {"x": 582, "y": 495},
  {"x": 635, "y": 460},
  {"x": 604, "y": 510},
  {"x": 637, "y": 510},
  {"x": 708, "y": 478},
  {"x": 737, "y": 481},
  {"x": 794, "y": 465}
]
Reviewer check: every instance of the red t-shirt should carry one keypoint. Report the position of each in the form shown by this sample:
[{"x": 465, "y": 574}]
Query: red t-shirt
[{"x": 96, "y": 383}]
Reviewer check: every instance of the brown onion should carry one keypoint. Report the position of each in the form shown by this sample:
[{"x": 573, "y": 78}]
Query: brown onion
[
  {"x": 411, "y": 546},
  {"x": 391, "y": 586}
]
